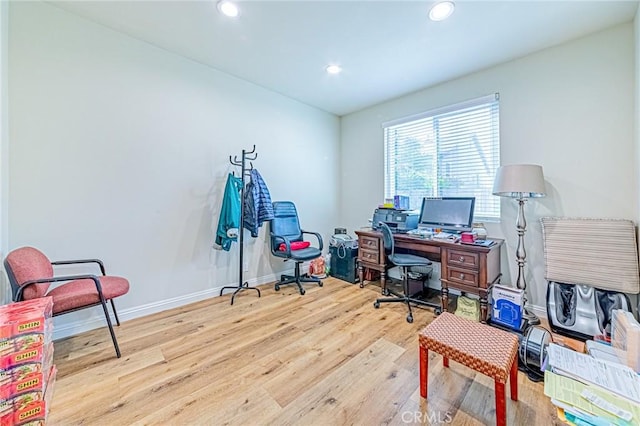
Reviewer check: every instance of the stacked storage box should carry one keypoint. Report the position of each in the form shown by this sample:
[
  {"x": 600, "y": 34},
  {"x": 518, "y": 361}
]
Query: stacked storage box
[{"x": 27, "y": 372}]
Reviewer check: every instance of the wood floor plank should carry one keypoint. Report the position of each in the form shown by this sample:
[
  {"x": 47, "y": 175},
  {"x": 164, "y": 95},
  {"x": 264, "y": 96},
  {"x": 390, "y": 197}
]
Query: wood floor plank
[
  {"x": 329, "y": 397},
  {"x": 324, "y": 358},
  {"x": 199, "y": 408}
]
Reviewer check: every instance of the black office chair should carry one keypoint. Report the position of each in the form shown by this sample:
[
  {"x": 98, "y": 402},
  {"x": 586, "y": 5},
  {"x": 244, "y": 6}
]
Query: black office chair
[
  {"x": 285, "y": 229},
  {"x": 404, "y": 261}
]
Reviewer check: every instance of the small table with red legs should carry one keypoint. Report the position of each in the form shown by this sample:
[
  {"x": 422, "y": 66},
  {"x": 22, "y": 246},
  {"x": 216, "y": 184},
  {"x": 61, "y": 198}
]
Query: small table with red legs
[{"x": 483, "y": 348}]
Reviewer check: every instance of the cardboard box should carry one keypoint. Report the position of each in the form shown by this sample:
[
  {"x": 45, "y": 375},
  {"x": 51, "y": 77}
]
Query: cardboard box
[
  {"x": 23, "y": 342},
  {"x": 36, "y": 354},
  {"x": 26, "y": 357},
  {"x": 506, "y": 306},
  {"x": 30, "y": 407},
  {"x": 34, "y": 382},
  {"x": 30, "y": 316},
  {"x": 401, "y": 202}
]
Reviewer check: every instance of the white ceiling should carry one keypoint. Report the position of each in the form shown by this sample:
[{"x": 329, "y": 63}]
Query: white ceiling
[{"x": 386, "y": 48}]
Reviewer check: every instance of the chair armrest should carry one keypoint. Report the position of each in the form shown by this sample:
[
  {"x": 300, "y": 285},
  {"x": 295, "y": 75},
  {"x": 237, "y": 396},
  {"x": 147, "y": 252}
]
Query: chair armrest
[
  {"x": 71, "y": 262},
  {"x": 94, "y": 278},
  {"x": 286, "y": 242},
  {"x": 318, "y": 236}
]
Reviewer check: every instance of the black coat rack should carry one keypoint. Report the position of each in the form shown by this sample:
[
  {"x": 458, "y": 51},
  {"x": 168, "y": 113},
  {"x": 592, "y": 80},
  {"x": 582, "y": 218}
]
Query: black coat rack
[{"x": 246, "y": 156}]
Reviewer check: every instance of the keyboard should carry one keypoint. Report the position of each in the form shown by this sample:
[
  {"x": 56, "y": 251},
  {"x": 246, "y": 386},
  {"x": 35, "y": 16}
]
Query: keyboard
[
  {"x": 422, "y": 233},
  {"x": 443, "y": 236}
]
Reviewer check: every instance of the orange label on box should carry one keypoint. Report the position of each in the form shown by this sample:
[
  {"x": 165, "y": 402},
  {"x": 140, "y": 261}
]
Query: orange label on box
[
  {"x": 30, "y": 412},
  {"x": 29, "y": 326},
  {"x": 26, "y": 355},
  {"x": 35, "y": 354},
  {"x": 33, "y": 382}
]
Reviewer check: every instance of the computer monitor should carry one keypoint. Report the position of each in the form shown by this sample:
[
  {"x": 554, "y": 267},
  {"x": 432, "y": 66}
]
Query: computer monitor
[{"x": 451, "y": 214}]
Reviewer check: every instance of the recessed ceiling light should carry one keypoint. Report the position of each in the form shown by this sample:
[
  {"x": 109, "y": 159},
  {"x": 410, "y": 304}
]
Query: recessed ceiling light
[
  {"x": 228, "y": 8},
  {"x": 441, "y": 11},
  {"x": 334, "y": 69}
]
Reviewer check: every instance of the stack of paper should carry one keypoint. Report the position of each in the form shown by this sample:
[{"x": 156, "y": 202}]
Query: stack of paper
[
  {"x": 592, "y": 391},
  {"x": 625, "y": 337}
]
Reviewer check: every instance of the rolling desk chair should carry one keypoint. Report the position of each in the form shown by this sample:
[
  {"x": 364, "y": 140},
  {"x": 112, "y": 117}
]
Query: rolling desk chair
[
  {"x": 285, "y": 229},
  {"x": 404, "y": 261}
]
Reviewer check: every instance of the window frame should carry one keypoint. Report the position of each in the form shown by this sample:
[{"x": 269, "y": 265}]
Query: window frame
[{"x": 427, "y": 124}]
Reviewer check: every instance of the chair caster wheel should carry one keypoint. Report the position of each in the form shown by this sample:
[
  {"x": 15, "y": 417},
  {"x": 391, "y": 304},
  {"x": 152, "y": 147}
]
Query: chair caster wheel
[
  {"x": 320, "y": 284},
  {"x": 409, "y": 318},
  {"x": 437, "y": 311},
  {"x": 302, "y": 292},
  {"x": 361, "y": 285},
  {"x": 385, "y": 292},
  {"x": 276, "y": 287},
  {"x": 376, "y": 305}
]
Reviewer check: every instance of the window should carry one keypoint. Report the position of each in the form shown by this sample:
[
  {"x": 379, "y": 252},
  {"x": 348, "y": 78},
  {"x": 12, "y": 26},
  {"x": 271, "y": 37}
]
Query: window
[{"x": 449, "y": 152}]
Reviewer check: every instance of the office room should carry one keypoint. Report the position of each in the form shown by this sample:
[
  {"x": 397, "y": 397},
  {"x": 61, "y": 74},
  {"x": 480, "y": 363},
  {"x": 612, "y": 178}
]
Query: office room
[{"x": 123, "y": 122}]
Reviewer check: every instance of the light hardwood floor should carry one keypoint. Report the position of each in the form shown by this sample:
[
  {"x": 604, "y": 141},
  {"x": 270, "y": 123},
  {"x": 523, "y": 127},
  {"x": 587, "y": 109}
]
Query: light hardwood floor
[{"x": 324, "y": 358}]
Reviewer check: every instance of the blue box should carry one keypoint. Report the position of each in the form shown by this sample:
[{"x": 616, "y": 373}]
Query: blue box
[
  {"x": 506, "y": 306},
  {"x": 401, "y": 202}
]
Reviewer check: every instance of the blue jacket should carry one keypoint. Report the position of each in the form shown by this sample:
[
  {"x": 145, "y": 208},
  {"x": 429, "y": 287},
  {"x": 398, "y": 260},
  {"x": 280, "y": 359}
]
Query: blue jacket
[
  {"x": 229, "y": 212},
  {"x": 257, "y": 204}
]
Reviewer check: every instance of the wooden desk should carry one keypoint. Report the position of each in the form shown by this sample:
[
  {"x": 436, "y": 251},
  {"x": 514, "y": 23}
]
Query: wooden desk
[{"x": 467, "y": 268}]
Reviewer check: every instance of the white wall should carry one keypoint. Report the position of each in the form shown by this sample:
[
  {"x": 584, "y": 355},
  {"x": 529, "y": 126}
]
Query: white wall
[
  {"x": 636, "y": 28},
  {"x": 119, "y": 150},
  {"x": 569, "y": 108},
  {"x": 5, "y": 290}
]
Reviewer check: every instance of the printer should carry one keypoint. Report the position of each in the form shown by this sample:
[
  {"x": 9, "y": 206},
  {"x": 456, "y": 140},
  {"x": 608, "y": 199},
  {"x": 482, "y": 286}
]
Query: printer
[{"x": 397, "y": 220}]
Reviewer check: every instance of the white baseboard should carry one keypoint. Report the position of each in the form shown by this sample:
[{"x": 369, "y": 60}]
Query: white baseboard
[
  {"x": 539, "y": 311},
  {"x": 97, "y": 320}
]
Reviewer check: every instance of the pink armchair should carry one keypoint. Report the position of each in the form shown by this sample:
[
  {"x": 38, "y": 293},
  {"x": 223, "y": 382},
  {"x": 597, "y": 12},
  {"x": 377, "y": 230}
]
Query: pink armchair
[{"x": 31, "y": 273}]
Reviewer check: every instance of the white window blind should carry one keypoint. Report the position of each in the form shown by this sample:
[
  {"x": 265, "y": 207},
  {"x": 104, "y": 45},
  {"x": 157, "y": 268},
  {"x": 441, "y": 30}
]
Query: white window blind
[{"x": 449, "y": 152}]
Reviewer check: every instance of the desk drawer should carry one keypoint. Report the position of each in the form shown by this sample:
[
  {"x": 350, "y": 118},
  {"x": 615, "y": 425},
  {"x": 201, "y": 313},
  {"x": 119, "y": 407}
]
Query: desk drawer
[
  {"x": 464, "y": 259},
  {"x": 369, "y": 243},
  {"x": 463, "y": 276},
  {"x": 370, "y": 256}
]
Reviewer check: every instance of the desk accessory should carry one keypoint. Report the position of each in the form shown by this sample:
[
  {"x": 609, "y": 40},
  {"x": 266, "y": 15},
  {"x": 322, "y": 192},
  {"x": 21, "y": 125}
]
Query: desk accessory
[
  {"x": 482, "y": 243},
  {"x": 401, "y": 202},
  {"x": 467, "y": 238},
  {"x": 479, "y": 230},
  {"x": 521, "y": 181}
]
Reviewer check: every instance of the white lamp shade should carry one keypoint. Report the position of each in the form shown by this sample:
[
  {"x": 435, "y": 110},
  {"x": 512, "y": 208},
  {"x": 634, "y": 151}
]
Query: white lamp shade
[{"x": 519, "y": 181}]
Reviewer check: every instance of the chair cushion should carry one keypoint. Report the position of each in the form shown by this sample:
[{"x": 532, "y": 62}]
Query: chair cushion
[
  {"x": 402, "y": 259},
  {"x": 296, "y": 245},
  {"x": 28, "y": 263},
  {"x": 308, "y": 253},
  {"x": 79, "y": 293}
]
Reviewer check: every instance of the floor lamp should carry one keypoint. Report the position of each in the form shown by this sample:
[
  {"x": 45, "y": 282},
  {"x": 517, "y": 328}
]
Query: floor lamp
[{"x": 521, "y": 181}]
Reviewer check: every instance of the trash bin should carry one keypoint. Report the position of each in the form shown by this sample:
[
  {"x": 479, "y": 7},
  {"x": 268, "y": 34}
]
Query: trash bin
[
  {"x": 343, "y": 263},
  {"x": 418, "y": 275}
]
